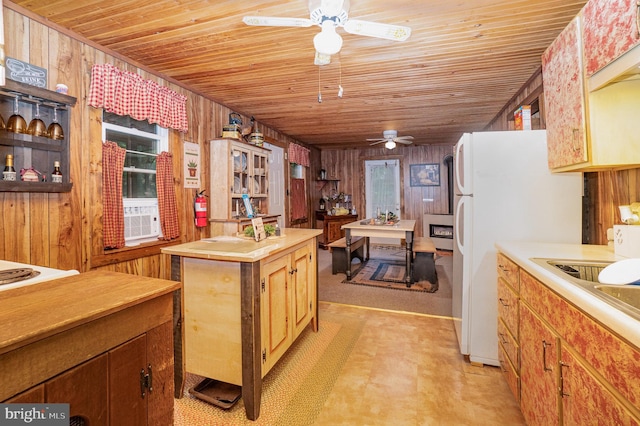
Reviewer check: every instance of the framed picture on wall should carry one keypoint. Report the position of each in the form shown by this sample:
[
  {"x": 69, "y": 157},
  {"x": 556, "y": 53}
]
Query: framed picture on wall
[{"x": 424, "y": 174}]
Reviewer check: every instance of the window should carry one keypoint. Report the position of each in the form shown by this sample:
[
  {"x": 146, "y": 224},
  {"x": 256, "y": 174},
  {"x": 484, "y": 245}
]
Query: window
[{"x": 143, "y": 142}]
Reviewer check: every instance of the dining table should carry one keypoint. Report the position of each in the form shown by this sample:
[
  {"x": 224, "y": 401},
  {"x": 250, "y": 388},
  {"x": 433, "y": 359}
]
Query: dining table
[{"x": 370, "y": 228}]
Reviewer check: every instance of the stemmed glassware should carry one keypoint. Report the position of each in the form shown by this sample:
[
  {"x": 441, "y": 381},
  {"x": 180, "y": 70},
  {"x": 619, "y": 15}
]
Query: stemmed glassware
[
  {"x": 55, "y": 129},
  {"x": 37, "y": 126},
  {"x": 16, "y": 123}
]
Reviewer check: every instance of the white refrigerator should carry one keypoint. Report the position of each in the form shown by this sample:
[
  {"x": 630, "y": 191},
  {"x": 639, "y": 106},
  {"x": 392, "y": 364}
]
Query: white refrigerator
[{"x": 504, "y": 191}]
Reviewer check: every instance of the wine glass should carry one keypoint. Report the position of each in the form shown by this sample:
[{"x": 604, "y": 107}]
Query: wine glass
[
  {"x": 16, "y": 123},
  {"x": 37, "y": 126},
  {"x": 54, "y": 131}
]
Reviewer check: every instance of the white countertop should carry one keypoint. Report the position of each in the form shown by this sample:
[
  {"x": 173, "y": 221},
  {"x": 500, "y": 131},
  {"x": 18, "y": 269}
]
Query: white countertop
[{"x": 522, "y": 253}]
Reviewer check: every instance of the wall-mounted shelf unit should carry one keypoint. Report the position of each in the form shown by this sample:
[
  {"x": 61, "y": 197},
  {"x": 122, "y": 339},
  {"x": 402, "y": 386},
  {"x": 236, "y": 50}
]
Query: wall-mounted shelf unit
[{"x": 38, "y": 152}]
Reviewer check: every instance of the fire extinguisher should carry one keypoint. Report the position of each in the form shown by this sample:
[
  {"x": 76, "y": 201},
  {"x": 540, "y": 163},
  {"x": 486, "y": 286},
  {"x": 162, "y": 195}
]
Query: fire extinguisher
[{"x": 200, "y": 209}]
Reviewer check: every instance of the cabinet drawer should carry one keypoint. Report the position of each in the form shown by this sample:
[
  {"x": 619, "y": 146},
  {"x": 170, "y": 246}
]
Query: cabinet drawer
[
  {"x": 509, "y": 271},
  {"x": 508, "y": 307},
  {"x": 509, "y": 373},
  {"x": 509, "y": 344}
]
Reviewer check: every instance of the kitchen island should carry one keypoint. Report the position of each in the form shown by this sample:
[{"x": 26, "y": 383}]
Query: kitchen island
[
  {"x": 570, "y": 354},
  {"x": 244, "y": 304},
  {"x": 99, "y": 341}
]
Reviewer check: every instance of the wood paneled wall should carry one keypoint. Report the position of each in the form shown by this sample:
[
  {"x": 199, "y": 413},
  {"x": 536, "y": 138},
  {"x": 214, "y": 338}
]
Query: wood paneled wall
[
  {"x": 65, "y": 230},
  {"x": 348, "y": 166}
]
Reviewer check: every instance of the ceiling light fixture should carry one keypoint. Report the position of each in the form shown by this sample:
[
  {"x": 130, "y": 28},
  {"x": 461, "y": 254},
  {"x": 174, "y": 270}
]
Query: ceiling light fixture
[
  {"x": 328, "y": 41},
  {"x": 390, "y": 144}
]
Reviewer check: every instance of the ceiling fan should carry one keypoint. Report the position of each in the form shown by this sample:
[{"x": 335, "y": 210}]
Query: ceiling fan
[
  {"x": 391, "y": 138},
  {"x": 330, "y": 14}
]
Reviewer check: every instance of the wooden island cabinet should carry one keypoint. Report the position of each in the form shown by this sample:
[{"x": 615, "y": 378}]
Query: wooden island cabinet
[
  {"x": 244, "y": 304},
  {"x": 100, "y": 341}
]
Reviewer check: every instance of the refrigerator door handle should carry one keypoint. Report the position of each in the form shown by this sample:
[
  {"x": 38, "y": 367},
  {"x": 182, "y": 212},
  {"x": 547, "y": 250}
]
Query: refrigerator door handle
[
  {"x": 458, "y": 226},
  {"x": 458, "y": 166}
]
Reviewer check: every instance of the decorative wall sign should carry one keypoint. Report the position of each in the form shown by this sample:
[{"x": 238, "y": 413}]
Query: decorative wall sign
[
  {"x": 26, "y": 73},
  {"x": 191, "y": 165},
  {"x": 424, "y": 174}
]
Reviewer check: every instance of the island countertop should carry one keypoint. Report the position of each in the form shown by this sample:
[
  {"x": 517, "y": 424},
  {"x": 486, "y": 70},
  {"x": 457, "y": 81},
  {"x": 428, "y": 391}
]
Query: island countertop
[
  {"x": 242, "y": 249},
  {"x": 523, "y": 254}
]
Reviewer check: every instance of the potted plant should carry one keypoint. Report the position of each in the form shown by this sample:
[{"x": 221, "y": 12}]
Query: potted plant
[{"x": 192, "y": 166}]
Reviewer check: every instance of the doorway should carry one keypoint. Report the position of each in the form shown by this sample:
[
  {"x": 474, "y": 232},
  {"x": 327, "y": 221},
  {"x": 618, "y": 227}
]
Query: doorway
[
  {"x": 276, "y": 182},
  {"x": 382, "y": 191}
]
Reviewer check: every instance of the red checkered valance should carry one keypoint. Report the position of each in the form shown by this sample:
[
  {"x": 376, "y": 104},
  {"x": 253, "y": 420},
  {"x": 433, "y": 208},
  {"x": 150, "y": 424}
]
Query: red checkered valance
[
  {"x": 126, "y": 93},
  {"x": 299, "y": 155}
]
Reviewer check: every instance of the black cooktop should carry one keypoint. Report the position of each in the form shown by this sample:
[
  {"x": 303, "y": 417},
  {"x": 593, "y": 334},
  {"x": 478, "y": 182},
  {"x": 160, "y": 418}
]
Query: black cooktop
[{"x": 8, "y": 276}]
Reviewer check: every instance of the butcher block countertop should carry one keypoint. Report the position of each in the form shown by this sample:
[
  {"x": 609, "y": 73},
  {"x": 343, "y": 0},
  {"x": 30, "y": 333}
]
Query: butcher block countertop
[
  {"x": 242, "y": 249},
  {"x": 35, "y": 312},
  {"x": 522, "y": 253}
]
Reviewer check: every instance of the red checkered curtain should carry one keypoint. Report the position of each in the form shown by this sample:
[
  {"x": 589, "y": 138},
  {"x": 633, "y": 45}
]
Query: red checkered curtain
[
  {"x": 112, "y": 207},
  {"x": 167, "y": 205},
  {"x": 126, "y": 93},
  {"x": 298, "y": 199},
  {"x": 298, "y": 154}
]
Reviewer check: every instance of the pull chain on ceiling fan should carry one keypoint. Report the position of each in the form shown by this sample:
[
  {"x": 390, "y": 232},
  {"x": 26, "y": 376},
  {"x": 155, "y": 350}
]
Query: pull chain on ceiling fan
[
  {"x": 391, "y": 138},
  {"x": 328, "y": 15}
]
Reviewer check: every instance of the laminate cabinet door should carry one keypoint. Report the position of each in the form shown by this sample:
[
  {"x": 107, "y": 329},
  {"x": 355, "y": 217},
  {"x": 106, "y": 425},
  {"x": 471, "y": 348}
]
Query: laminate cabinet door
[
  {"x": 564, "y": 98},
  {"x": 539, "y": 375},
  {"x": 610, "y": 30},
  {"x": 85, "y": 389},
  {"x": 585, "y": 400}
]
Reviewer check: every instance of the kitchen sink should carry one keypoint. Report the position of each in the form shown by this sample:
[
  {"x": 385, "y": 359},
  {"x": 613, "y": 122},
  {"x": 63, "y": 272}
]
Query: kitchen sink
[
  {"x": 629, "y": 294},
  {"x": 584, "y": 274},
  {"x": 587, "y": 271}
]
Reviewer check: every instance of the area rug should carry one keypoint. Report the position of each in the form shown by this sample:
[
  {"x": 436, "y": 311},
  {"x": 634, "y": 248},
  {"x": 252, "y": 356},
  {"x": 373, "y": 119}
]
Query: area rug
[
  {"x": 295, "y": 389},
  {"x": 386, "y": 273}
]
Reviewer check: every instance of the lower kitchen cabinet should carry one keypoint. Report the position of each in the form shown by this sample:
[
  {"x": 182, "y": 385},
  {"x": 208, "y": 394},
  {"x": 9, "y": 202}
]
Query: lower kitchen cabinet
[
  {"x": 117, "y": 387},
  {"x": 573, "y": 370},
  {"x": 508, "y": 320},
  {"x": 538, "y": 370},
  {"x": 108, "y": 352}
]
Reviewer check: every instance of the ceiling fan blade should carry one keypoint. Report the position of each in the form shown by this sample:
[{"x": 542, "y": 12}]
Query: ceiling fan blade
[
  {"x": 401, "y": 138},
  {"x": 375, "y": 29},
  {"x": 376, "y": 140},
  {"x": 271, "y": 21},
  {"x": 404, "y": 142},
  {"x": 376, "y": 143}
]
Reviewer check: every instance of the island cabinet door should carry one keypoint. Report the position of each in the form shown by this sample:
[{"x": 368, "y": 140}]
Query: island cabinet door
[
  {"x": 539, "y": 374},
  {"x": 274, "y": 315},
  {"x": 303, "y": 283}
]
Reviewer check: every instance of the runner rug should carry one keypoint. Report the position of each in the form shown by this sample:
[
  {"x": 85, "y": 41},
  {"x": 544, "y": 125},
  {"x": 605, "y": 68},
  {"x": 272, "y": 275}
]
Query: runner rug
[
  {"x": 295, "y": 389},
  {"x": 385, "y": 273}
]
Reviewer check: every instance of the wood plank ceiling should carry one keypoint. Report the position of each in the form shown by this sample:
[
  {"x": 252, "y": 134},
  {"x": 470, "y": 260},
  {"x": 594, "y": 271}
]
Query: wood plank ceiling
[{"x": 463, "y": 61}]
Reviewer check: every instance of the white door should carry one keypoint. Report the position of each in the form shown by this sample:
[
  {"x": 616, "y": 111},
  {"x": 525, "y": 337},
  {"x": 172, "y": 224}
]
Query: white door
[
  {"x": 382, "y": 191},
  {"x": 276, "y": 182}
]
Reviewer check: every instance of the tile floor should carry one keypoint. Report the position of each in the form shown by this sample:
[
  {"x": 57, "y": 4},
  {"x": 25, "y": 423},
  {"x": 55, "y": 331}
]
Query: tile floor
[{"x": 406, "y": 369}]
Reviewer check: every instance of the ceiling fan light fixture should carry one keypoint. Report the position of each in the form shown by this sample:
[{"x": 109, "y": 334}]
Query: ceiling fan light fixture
[
  {"x": 389, "y": 144},
  {"x": 328, "y": 41}
]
